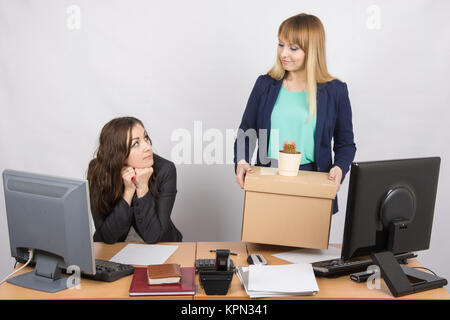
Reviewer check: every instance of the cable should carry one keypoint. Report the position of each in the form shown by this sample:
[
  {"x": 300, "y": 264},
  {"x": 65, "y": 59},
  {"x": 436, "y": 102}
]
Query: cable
[
  {"x": 31, "y": 253},
  {"x": 425, "y": 269}
]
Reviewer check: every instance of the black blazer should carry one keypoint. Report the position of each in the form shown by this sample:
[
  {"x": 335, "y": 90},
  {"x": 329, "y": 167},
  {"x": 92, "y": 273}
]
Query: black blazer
[
  {"x": 334, "y": 121},
  {"x": 150, "y": 218}
]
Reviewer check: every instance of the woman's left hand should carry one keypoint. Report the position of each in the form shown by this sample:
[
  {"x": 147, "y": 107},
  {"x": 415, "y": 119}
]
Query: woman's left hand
[
  {"x": 142, "y": 177},
  {"x": 335, "y": 174}
]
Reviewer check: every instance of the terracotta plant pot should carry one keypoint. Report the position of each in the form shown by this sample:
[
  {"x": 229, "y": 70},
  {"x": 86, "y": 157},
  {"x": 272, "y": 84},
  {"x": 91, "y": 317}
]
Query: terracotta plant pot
[{"x": 289, "y": 163}]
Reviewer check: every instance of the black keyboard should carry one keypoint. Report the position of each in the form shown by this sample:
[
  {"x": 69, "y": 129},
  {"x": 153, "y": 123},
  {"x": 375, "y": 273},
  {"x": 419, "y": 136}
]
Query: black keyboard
[
  {"x": 109, "y": 271},
  {"x": 338, "y": 267}
]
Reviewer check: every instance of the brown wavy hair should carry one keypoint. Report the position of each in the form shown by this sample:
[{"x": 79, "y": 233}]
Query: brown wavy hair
[{"x": 104, "y": 171}]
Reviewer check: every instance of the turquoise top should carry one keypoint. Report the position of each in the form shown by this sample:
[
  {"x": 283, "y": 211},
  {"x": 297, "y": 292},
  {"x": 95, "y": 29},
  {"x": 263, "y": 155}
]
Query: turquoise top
[{"x": 289, "y": 122}]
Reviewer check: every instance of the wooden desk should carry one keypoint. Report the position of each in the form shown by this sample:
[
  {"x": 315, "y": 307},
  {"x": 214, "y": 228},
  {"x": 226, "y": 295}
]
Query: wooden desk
[
  {"x": 330, "y": 289},
  {"x": 342, "y": 287},
  {"x": 99, "y": 290}
]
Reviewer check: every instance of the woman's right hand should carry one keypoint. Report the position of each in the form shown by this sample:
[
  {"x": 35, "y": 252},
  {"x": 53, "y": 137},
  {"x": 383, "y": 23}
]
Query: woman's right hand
[
  {"x": 241, "y": 170},
  {"x": 128, "y": 174}
]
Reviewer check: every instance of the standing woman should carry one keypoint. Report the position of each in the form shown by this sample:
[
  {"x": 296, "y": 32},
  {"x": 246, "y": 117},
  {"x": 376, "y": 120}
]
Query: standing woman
[
  {"x": 300, "y": 101},
  {"x": 132, "y": 190}
]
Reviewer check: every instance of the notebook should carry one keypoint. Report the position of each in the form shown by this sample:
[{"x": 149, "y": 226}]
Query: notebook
[
  {"x": 140, "y": 287},
  {"x": 164, "y": 273}
]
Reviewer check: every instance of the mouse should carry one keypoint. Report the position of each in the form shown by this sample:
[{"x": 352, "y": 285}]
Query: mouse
[{"x": 256, "y": 259}]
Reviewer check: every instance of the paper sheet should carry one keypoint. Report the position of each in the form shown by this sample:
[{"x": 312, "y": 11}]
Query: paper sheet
[
  {"x": 242, "y": 273},
  {"x": 310, "y": 255},
  {"x": 289, "y": 278},
  {"x": 144, "y": 254}
]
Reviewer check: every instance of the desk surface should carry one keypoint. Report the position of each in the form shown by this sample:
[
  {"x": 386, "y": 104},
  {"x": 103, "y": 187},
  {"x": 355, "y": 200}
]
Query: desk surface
[
  {"x": 343, "y": 287},
  {"x": 187, "y": 252},
  {"x": 99, "y": 290}
]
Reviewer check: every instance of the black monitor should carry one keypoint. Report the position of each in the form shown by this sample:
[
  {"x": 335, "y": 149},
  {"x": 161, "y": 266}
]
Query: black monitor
[
  {"x": 390, "y": 210},
  {"x": 49, "y": 225}
]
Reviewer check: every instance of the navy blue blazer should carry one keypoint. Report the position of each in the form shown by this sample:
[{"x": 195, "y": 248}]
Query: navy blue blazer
[{"x": 334, "y": 121}]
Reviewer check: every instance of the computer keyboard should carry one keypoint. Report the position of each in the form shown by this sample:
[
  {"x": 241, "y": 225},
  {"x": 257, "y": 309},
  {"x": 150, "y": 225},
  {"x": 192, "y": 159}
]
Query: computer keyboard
[
  {"x": 109, "y": 271},
  {"x": 339, "y": 267}
]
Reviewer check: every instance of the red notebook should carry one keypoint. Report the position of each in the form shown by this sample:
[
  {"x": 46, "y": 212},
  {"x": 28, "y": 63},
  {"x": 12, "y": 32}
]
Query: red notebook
[{"x": 140, "y": 287}]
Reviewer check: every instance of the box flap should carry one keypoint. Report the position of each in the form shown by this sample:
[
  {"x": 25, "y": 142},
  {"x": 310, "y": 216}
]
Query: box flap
[{"x": 306, "y": 183}]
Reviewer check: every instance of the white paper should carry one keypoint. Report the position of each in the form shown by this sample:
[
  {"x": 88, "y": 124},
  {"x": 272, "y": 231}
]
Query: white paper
[
  {"x": 144, "y": 254},
  {"x": 289, "y": 278},
  {"x": 310, "y": 255},
  {"x": 242, "y": 273}
]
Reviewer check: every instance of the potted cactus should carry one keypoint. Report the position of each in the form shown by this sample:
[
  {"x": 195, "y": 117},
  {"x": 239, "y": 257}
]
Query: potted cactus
[{"x": 289, "y": 160}]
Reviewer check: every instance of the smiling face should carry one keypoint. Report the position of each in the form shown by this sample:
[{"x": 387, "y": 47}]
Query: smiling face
[
  {"x": 291, "y": 56},
  {"x": 141, "y": 153}
]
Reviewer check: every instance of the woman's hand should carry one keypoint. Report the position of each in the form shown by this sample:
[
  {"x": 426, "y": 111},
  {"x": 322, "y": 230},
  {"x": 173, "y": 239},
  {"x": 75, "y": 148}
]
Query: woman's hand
[
  {"x": 142, "y": 177},
  {"x": 128, "y": 174},
  {"x": 241, "y": 170},
  {"x": 335, "y": 174}
]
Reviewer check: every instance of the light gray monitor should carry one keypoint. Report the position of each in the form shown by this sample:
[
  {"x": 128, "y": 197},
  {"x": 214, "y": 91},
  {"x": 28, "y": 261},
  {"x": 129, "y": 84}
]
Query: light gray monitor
[{"x": 52, "y": 216}]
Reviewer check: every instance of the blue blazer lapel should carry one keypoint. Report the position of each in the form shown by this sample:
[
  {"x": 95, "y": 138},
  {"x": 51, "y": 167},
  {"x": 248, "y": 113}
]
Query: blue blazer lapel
[
  {"x": 272, "y": 96},
  {"x": 320, "y": 122},
  {"x": 264, "y": 121}
]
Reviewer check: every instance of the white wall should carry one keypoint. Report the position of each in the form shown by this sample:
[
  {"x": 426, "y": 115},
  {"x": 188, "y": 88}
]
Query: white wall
[{"x": 67, "y": 67}]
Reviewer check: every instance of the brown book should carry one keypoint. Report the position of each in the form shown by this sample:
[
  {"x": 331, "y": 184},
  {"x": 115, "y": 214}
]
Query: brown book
[{"x": 163, "y": 273}]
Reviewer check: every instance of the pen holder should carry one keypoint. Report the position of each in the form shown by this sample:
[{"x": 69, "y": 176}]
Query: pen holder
[{"x": 216, "y": 282}]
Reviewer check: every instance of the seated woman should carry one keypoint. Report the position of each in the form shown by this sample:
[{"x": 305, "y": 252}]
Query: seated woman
[{"x": 132, "y": 190}]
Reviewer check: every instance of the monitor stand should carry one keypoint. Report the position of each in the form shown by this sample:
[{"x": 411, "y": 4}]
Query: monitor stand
[
  {"x": 45, "y": 277},
  {"x": 402, "y": 280}
]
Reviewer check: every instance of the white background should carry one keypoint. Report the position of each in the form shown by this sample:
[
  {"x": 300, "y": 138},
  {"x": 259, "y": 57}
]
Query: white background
[{"x": 64, "y": 74}]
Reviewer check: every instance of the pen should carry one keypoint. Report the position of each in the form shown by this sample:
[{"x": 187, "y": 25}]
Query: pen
[
  {"x": 134, "y": 182},
  {"x": 232, "y": 253}
]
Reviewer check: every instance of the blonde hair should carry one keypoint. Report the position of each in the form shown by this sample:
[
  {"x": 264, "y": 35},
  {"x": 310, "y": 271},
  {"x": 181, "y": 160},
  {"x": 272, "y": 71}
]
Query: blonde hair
[{"x": 306, "y": 31}]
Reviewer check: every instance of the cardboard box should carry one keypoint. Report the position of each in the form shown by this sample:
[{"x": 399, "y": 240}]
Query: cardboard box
[{"x": 289, "y": 211}]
